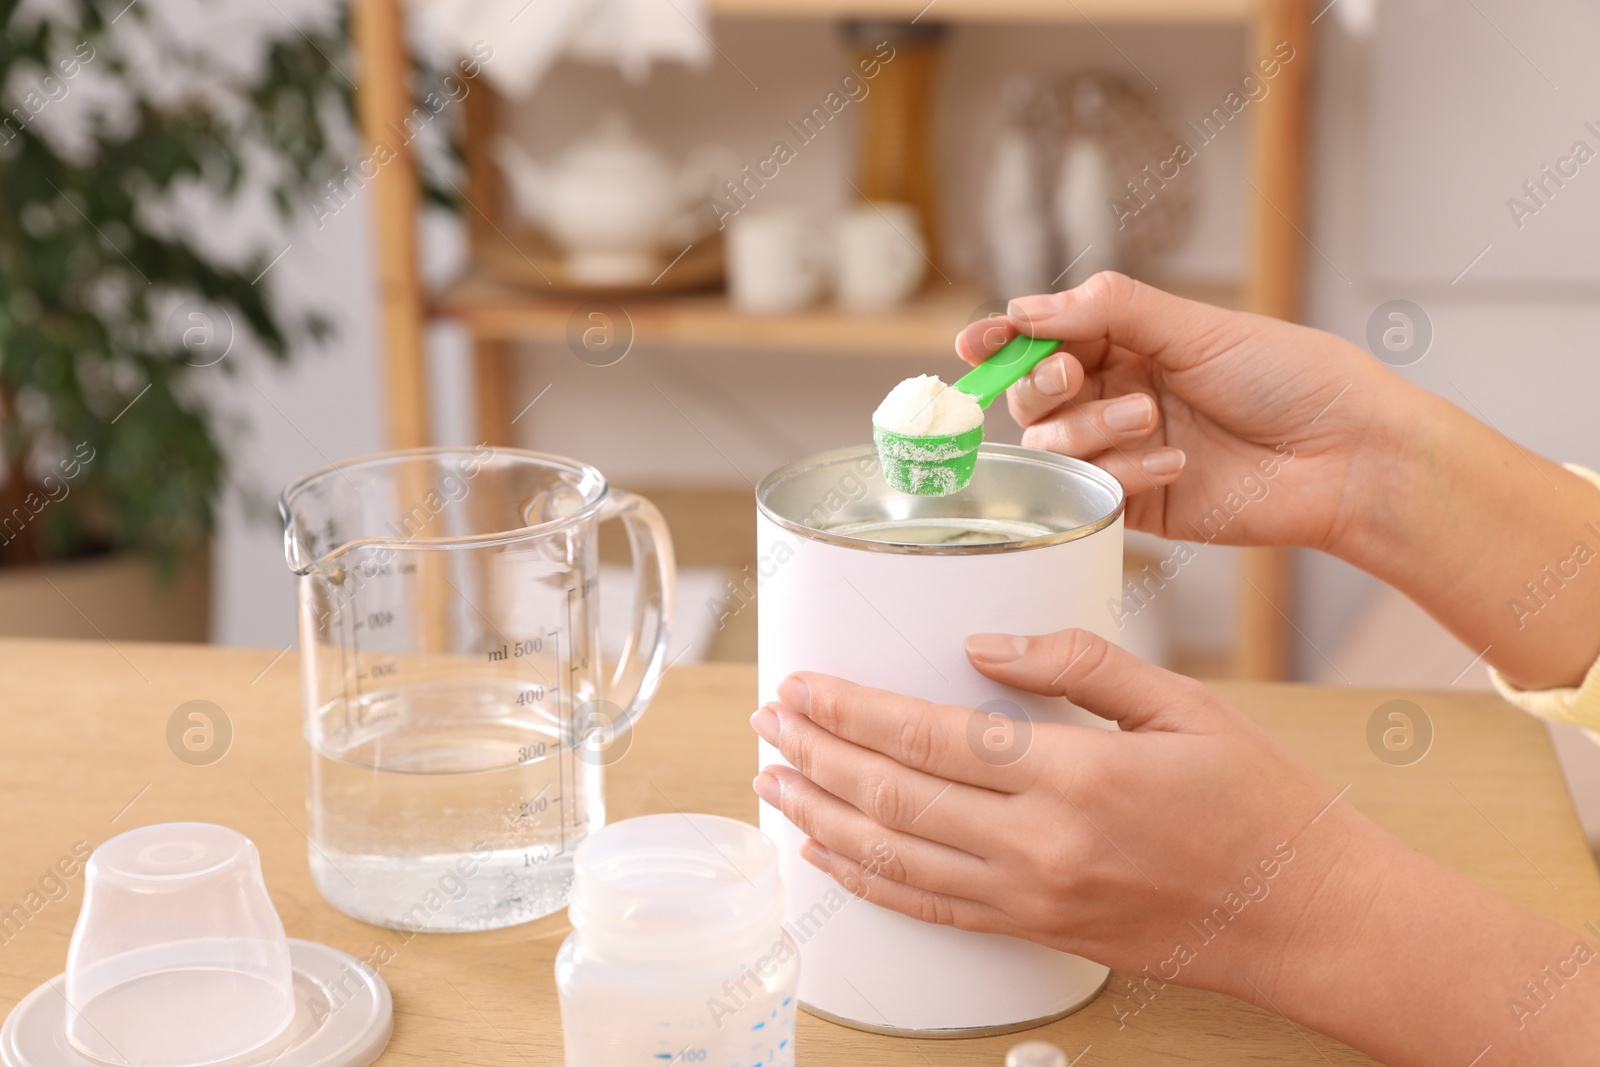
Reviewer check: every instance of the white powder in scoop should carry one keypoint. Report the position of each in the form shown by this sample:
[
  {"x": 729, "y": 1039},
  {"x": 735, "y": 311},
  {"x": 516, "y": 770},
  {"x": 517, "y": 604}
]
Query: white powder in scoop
[{"x": 926, "y": 407}]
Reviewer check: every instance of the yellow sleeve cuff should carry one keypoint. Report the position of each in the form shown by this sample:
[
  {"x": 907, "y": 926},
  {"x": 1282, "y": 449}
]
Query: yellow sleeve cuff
[{"x": 1578, "y": 706}]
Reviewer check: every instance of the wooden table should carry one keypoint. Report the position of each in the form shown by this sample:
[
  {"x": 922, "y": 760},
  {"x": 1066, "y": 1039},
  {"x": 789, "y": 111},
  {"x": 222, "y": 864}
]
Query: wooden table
[{"x": 85, "y": 757}]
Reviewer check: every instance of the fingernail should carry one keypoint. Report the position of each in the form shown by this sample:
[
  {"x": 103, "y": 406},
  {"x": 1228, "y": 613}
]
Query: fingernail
[
  {"x": 1050, "y": 379},
  {"x": 765, "y": 722},
  {"x": 815, "y": 854},
  {"x": 1029, "y": 308},
  {"x": 996, "y": 648},
  {"x": 1130, "y": 413},
  {"x": 1163, "y": 461},
  {"x": 768, "y": 788},
  {"x": 794, "y": 694}
]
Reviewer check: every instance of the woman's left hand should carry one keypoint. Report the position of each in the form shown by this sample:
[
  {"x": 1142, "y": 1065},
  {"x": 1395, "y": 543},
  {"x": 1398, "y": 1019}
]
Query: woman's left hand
[
  {"x": 1119, "y": 845},
  {"x": 1188, "y": 847}
]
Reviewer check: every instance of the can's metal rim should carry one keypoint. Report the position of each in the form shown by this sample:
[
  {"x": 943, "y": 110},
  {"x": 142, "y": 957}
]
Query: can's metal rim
[
  {"x": 1016, "y": 452},
  {"x": 960, "y": 1032}
]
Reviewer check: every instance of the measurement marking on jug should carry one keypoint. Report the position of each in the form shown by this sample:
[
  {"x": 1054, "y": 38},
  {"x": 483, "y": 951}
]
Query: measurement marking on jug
[
  {"x": 351, "y": 649},
  {"x": 375, "y": 620},
  {"x": 530, "y": 808},
  {"x": 516, "y": 649},
  {"x": 533, "y": 807},
  {"x": 566, "y": 771},
  {"x": 564, "y": 757}
]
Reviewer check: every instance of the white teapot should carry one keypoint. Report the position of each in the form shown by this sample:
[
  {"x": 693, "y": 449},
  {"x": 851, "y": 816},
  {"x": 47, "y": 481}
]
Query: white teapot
[{"x": 612, "y": 201}]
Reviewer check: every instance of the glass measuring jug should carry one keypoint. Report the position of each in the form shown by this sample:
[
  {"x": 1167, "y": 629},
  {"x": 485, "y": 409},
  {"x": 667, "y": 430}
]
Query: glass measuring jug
[{"x": 455, "y": 710}]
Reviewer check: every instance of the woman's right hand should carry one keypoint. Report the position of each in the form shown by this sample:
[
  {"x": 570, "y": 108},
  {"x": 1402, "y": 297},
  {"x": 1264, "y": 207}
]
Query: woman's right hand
[{"x": 1221, "y": 425}]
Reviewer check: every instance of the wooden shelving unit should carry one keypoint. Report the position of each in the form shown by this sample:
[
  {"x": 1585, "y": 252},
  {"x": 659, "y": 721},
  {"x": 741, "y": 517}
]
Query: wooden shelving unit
[
  {"x": 1118, "y": 12},
  {"x": 928, "y": 323},
  {"x": 498, "y": 314}
]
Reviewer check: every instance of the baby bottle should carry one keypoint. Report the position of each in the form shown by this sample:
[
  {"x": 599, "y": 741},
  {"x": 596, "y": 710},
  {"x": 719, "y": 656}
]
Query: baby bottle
[{"x": 678, "y": 953}]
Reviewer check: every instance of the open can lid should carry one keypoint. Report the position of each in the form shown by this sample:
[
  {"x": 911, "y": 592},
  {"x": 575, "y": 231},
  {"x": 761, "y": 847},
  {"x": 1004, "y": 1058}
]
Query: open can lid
[{"x": 1019, "y": 498}]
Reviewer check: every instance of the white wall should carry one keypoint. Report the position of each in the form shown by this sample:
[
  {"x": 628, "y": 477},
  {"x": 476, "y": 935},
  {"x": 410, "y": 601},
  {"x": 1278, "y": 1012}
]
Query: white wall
[{"x": 1422, "y": 134}]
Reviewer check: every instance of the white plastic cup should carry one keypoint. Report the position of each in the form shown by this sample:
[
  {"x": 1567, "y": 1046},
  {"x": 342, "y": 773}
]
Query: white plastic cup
[
  {"x": 678, "y": 952},
  {"x": 178, "y": 958},
  {"x": 777, "y": 261},
  {"x": 880, "y": 256}
]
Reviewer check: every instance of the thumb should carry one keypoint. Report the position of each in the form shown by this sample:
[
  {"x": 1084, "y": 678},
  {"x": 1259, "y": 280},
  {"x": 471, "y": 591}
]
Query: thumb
[
  {"x": 1113, "y": 309},
  {"x": 1088, "y": 670}
]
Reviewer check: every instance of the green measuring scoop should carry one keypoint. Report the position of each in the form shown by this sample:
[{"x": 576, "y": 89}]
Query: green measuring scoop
[{"x": 943, "y": 463}]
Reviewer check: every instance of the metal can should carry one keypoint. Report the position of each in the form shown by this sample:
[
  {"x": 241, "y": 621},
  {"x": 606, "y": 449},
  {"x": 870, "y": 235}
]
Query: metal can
[{"x": 862, "y": 582}]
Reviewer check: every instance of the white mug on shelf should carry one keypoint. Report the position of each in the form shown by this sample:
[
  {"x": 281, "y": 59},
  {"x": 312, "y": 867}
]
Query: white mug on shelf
[
  {"x": 880, "y": 256},
  {"x": 776, "y": 261}
]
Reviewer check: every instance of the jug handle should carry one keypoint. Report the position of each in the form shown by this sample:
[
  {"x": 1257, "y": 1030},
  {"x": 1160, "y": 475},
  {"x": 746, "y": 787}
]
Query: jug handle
[{"x": 655, "y": 574}]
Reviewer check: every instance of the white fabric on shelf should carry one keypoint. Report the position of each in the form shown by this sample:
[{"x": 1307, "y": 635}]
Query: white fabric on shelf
[
  {"x": 635, "y": 33},
  {"x": 528, "y": 36}
]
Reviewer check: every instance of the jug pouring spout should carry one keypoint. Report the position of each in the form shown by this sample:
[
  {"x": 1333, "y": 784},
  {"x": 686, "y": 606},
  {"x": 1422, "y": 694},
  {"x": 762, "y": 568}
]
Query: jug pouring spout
[
  {"x": 316, "y": 552},
  {"x": 296, "y": 545},
  {"x": 314, "y": 521}
]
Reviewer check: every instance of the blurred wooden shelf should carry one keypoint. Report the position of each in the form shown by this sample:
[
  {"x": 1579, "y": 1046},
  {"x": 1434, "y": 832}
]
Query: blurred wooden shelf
[
  {"x": 495, "y": 311},
  {"x": 1167, "y": 12},
  {"x": 1078, "y": 11}
]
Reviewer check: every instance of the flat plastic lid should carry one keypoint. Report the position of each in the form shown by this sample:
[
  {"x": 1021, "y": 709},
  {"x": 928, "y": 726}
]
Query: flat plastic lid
[{"x": 343, "y": 1017}]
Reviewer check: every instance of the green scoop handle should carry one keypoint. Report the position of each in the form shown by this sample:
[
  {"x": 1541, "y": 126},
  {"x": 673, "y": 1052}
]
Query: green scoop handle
[
  {"x": 1005, "y": 368},
  {"x": 944, "y": 463}
]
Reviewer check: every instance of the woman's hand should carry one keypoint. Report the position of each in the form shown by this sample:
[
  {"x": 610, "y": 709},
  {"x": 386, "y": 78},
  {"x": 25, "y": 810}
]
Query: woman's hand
[
  {"x": 1222, "y": 426},
  {"x": 1237, "y": 429},
  {"x": 1187, "y": 847},
  {"x": 1102, "y": 843}
]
